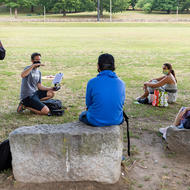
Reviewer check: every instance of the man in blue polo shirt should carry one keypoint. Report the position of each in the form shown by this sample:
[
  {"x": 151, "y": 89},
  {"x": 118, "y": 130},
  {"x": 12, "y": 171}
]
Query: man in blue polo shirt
[{"x": 105, "y": 96}]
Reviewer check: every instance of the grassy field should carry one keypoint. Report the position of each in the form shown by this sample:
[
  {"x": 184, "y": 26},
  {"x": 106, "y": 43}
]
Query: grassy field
[{"x": 139, "y": 49}]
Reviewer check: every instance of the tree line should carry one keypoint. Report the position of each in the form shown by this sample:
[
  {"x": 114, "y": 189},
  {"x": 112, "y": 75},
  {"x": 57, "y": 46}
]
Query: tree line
[{"x": 68, "y": 6}]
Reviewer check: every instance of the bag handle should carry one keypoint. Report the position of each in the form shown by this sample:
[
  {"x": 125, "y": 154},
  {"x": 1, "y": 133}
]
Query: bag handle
[{"x": 128, "y": 136}]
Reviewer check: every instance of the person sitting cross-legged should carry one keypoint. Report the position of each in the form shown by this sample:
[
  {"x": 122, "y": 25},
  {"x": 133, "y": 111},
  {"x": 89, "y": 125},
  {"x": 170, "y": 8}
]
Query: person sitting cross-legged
[
  {"x": 32, "y": 91},
  {"x": 105, "y": 96}
]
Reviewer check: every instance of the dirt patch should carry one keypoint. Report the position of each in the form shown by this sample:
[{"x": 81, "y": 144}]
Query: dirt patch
[{"x": 154, "y": 167}]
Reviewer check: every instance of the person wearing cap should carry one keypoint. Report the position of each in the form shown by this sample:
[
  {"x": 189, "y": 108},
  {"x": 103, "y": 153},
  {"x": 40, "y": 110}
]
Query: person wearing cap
[
  {"x": 105, "y": 96},
  {"x": 2, "y": 52},
  {"x": 32, "y": 91}
]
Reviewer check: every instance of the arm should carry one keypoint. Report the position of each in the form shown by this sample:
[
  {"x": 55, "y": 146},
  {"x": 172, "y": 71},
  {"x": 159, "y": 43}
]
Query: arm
[
  {"x": 88, "y": 96},
  {"x": 26, "y": 72},
  {"x": 159, "y": 79},
  {"x": 43, "y": 88},
  {"x": 160, "y": 83},
  {"x": 1, "y": 45},
  {"x": 180, "y": 115}
]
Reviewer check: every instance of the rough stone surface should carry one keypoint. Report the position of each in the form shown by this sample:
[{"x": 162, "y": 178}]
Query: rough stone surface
[
  {"x": 178, "y": 140},
  {"x": 66, "y": 152}
]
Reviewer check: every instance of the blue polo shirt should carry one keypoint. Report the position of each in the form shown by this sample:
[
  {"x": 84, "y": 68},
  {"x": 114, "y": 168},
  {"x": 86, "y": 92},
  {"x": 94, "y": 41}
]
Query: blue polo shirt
[{"x": 105, "y": 97}]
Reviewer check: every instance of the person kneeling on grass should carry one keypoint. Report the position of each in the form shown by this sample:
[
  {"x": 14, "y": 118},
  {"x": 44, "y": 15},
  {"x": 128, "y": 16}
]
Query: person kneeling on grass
[
  {"x": 32, "y": 91},
  {"x": 167, "y": 83},
  {"x": 105, "y": 96},
  {"x": 182, "y": 121}
]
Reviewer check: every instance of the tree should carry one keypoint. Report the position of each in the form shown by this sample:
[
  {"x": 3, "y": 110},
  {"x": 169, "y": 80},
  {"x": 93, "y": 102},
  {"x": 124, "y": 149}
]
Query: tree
[
  {"x": 167, "y": 5},
  {"x": 145, "y": 5},
  {"x": 159, "y": 5},
  {"x": 133, "y": 3},
  {"x": 117, "y": 5},
  {"x": 15, "y": 4}
]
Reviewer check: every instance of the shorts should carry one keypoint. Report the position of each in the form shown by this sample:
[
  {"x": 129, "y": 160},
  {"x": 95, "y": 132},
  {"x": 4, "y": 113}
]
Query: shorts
[{"x": 34, "y": 100}]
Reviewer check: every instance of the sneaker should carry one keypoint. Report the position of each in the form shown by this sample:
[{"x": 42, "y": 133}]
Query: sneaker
[
  {"x": 20, "y": 107},
  {"x": 143, "y": 100}
]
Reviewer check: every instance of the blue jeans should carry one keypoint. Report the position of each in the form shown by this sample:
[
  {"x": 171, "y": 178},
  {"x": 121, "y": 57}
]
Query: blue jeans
[{"x": 83, "y": 118}]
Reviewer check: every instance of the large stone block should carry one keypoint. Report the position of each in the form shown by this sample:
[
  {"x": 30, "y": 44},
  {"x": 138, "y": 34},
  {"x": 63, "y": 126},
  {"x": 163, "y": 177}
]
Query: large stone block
[
  {"x": 66, "y": 152},
  {"x": 178, "y": 140}
]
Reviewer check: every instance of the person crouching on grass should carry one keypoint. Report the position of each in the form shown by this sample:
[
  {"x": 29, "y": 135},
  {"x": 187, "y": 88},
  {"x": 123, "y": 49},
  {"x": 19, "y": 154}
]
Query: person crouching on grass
[
  {"x": 105, "y": 96},
  {"x": 32, "y": 91}
]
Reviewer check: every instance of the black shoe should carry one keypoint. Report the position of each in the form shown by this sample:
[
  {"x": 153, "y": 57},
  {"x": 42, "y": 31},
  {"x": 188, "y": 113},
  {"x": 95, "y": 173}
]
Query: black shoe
[{"x": 143, "y": 100}]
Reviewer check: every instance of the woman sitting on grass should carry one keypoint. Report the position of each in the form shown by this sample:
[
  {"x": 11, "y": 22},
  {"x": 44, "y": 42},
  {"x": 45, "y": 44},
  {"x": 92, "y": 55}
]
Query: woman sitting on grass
[{"x": 167, "y": 83}]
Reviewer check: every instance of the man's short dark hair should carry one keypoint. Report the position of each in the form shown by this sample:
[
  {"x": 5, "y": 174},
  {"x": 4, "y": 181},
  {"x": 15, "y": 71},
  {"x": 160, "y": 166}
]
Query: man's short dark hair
[
  {"x": 106, "y": 62},
  {"x": 34, "y": 55}
]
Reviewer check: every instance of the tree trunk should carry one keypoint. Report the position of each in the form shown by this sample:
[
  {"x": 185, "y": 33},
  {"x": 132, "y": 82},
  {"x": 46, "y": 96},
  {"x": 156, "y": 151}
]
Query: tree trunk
[
  {"x": 11, "y": 12},
  {"x": 16, "y": 12},
  {"x": 64, "y": 13},
  {"x": 32, "y": 9}
]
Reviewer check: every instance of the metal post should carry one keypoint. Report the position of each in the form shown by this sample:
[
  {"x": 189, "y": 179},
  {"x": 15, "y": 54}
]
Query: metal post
[
  {"x": 110, "y": 10},
  {"x": 98, "y": 11}
]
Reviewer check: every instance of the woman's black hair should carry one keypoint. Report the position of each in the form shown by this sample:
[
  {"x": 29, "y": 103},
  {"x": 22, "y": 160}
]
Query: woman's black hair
[
  {"x": 169, "y": 66},
  {"x": 34, "y": 55},
  {"x": 106, "y": 62}
]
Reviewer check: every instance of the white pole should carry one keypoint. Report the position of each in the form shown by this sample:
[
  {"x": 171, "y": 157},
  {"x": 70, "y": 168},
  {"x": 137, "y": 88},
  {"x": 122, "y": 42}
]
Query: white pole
[
  {"x": 44, "y": 13},
  {"x": 177, "y": 11},
  {"x": 110, "y": 10}
]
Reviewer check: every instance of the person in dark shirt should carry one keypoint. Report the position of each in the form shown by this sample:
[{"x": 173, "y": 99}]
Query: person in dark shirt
[
  {"x": 2, "y": 52},
  {"x": 105, "y": 96}
]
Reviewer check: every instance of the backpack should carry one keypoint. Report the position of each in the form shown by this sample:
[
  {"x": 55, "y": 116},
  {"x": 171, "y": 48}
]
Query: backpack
[
  {"x": 55, "y": 107},
  {"x": 5, "y": 158}
]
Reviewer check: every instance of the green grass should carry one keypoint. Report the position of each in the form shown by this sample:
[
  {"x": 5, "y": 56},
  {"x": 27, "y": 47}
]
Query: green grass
[{"x": 139, "y": 49}]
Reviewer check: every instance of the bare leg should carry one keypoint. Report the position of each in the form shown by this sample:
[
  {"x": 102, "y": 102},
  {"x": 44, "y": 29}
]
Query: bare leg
[
  {"x": 50, "y": 94},
  {"x": 178, "y": 118},
  {"x": 146, "y": 93},
  {"x": 44, "y": 111}
]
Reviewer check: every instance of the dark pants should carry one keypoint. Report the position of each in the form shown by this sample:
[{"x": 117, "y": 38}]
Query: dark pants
[{"x": 83, "y": 118}]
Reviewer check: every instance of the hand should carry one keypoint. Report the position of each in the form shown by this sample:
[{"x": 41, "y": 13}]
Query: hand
[
  {"x": 56, "y": 88},
  {"x": 37, "y": 65}
]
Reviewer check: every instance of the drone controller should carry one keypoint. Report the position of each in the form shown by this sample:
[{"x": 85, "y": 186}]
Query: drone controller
[{"x": 57, "y": 81}]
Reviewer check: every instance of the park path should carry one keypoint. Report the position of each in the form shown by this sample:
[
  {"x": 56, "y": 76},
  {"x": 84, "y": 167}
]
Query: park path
[{"x": 172, "y": 20}]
